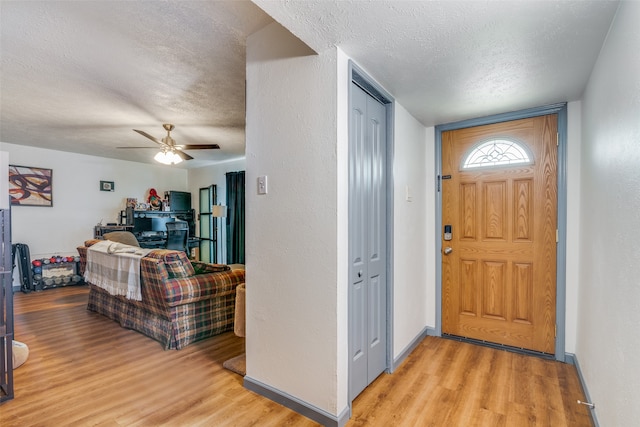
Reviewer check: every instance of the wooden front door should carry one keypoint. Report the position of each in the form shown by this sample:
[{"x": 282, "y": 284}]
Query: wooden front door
[{"x": 499, "y": 266}]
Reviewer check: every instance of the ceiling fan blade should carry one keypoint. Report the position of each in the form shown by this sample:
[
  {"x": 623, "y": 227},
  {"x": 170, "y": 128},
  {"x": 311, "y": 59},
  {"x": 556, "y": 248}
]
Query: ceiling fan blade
[
  {"x": 154, "y": 139},
  {"x": 155, "y": 148},
  {"x": 199, "y": 147},
  {"x": 182, "y": 154}
]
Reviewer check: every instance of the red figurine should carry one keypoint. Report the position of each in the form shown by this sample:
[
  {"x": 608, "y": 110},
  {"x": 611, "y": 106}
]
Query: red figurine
[{"x": 154, "y": 200}]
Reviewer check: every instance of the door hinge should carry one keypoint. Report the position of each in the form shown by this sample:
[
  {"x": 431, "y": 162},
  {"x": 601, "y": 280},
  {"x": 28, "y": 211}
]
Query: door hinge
[
  {"x": 557, "y": 236},
  {"x": 557, "y": 139}
]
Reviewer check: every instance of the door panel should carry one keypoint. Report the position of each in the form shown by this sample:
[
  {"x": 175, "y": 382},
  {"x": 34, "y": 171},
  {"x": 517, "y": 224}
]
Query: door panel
[
  {"x": 376, "y": 214},
  {"x": 367, "y": 241},
  {"x": 499, "y": 281},
  {"x": 359, "y": 313},
  {"x": 358, "y": 176}
]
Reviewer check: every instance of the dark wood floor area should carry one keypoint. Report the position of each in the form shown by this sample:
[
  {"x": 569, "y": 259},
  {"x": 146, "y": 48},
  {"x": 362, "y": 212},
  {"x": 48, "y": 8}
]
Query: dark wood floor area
[{"x": 85, "y": 370}]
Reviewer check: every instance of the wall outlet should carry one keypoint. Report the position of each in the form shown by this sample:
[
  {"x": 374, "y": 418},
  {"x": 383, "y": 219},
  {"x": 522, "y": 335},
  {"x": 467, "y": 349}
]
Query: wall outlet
[{"x": 262, "y": 184}]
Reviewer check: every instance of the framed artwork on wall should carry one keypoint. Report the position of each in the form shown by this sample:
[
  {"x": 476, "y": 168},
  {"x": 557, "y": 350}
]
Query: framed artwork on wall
[
  {"x": 107, "y": 186},
  {"x": 29, "y": 186}
]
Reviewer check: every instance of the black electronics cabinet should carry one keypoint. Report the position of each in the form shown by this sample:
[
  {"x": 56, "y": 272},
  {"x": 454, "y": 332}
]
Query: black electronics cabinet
[{"x": 155, "y": 221}]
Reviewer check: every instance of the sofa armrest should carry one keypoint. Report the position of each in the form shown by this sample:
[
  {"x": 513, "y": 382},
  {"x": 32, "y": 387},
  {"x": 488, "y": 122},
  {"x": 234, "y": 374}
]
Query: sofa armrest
[
  {"x": 201, "y": 286},
  {"x": 204, "y": 267},
  {"x": 82, "y": 251}
]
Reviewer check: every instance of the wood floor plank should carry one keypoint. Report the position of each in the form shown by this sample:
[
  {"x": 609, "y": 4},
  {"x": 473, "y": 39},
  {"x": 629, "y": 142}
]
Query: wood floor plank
[
  {"x": 85, "y": 370},
  {"x": 463, "y": 384}
]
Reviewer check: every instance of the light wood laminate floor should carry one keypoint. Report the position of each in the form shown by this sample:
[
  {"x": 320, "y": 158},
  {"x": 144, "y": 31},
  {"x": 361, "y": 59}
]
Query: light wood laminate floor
[{"x": 85, "y": 370}]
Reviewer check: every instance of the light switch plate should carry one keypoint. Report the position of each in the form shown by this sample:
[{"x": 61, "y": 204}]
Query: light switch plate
[
  {"x": 262, "y": 184},
  {"x": 407, "y": 194}
]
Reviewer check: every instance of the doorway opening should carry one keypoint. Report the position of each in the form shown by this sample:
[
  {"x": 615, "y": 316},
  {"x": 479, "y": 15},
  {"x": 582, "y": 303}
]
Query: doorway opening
[{"x": 208, "y": 232}]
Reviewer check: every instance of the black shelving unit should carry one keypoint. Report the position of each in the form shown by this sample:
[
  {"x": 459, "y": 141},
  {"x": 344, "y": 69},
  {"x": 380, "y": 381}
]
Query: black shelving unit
[
  {"x": 133, "y": 218},
  {"x": 6, "y": 308}
]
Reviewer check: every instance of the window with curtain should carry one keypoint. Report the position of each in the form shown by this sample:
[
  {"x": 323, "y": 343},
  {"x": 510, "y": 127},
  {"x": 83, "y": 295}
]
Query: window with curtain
[{"x": 235, "y": 217}]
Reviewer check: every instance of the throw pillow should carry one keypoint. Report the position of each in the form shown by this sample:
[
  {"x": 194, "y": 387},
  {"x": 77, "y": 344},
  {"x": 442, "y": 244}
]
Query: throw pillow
[
  {"x": 176, "y": 262},
  {"x": 124, "y": 237}
]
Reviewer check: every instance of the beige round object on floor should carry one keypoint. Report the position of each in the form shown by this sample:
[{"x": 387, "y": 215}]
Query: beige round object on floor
[
  {"x": 239, "y": 320},
  {"x": 20, "y": 353}
]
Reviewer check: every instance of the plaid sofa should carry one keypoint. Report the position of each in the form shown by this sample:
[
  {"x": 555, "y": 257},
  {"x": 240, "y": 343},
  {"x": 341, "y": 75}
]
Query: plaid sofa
[{"x": 182, "y": 301}]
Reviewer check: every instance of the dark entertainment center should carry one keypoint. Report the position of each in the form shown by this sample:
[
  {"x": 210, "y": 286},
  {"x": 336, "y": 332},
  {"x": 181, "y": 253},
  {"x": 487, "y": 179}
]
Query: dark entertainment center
[{"x": 149, "y": 226}]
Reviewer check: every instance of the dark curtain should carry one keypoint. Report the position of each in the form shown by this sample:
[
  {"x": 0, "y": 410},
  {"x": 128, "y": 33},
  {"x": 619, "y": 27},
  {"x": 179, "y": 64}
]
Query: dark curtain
[{"x": 235, "y": 217}]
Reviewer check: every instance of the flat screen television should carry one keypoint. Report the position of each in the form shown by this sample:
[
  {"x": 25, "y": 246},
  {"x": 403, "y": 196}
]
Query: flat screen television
[
  {"x": 140, "y": 225},
  {"x": 179, "y": 200},
  {"x": 160, "y": 224}
]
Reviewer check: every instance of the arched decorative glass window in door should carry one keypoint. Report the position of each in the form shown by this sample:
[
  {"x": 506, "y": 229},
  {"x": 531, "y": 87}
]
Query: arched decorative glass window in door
[{"x": 496, "y": 152}]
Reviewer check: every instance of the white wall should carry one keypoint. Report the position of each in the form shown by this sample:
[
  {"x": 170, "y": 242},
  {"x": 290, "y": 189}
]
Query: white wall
[
  {"x": 414, "y": 257},
  {"x": 608, "y": 347},
  {"x": 4, "y": 184},
  {"x": 291, "y": 232},
  {"x": 78, "y": 203},
  {"x": 297, "y": 234}
]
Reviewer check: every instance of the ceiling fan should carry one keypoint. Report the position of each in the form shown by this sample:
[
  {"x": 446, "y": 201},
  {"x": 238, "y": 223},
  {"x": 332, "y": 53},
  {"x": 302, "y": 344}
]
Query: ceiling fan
[{"x": 170, "y": 151}]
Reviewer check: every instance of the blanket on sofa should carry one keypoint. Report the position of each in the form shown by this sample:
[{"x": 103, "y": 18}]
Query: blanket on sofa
[{"x": 115, "y": 267}]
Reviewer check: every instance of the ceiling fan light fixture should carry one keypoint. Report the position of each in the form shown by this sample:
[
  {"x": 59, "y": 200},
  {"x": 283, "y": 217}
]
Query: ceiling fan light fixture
[
  {"x": 167, "y": 158},
  {"x": 170, "y": 153}
]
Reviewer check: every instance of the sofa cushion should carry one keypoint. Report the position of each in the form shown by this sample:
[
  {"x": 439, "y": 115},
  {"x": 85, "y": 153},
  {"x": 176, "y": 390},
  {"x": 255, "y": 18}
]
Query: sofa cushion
[{"x": 176, "y": 262}]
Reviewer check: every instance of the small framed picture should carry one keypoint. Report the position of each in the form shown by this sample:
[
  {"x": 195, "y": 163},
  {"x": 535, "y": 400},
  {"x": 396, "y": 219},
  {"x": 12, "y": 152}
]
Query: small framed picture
[{"x": 107, "y": 186}]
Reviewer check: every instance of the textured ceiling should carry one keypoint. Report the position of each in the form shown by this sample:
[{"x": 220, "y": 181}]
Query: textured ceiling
[
  {"x": 446, "y": 61},
  {"x": 80, "y": 75}
]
